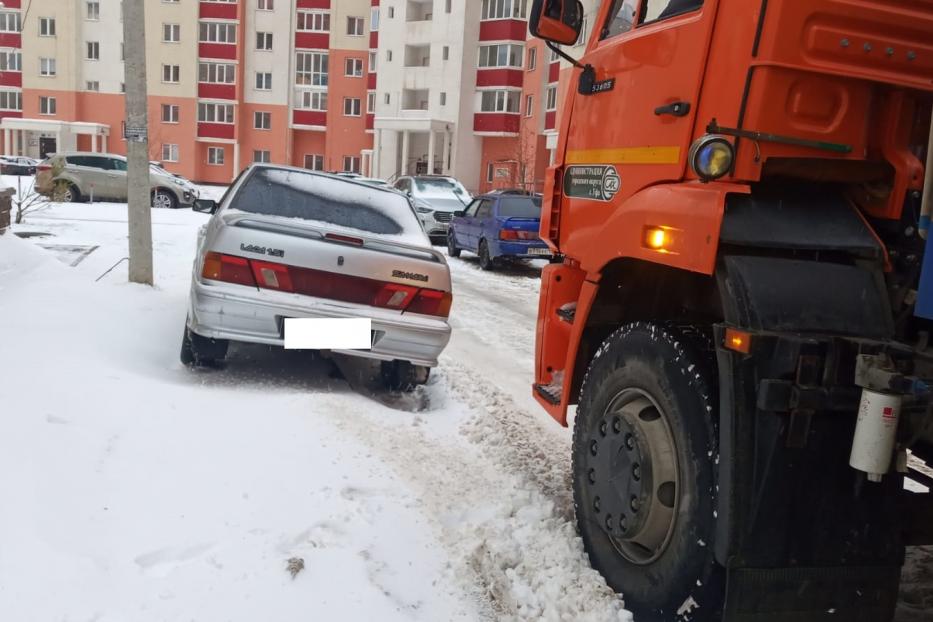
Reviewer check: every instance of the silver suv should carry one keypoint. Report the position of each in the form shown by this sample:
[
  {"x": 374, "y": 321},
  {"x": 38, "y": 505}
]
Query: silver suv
[
  {"x": 75, "y": 176},
  {"x": 435, "y": 198}
]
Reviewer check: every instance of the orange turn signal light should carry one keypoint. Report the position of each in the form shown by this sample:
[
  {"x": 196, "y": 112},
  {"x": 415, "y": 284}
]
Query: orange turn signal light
[
  {"x": 660, "y": 239},
  {"x": 738, "y": 340}
]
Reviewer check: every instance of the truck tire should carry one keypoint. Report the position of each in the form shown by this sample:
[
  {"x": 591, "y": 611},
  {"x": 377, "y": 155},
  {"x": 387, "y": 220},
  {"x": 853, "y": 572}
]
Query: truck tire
[{"x": 644, "y": 472}]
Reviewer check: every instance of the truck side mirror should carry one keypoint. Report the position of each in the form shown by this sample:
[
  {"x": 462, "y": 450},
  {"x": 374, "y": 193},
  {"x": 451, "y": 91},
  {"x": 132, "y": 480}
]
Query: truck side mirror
[{"x": 557, "y": 21}]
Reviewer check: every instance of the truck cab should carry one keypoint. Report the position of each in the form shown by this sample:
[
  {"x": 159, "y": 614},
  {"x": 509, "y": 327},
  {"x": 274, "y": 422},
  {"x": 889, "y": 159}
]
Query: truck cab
[{"x": 738, "y": 306}]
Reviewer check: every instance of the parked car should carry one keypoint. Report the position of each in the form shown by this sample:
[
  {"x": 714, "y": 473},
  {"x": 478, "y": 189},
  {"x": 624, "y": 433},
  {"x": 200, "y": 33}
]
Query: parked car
[
  {"x": 76, "y": 176},
  {"x": 292, "y": 243},
  {"x": 17, "y": 165},
  {"x": 435, "y": 198},
  {"x": 498, "y": 225}
]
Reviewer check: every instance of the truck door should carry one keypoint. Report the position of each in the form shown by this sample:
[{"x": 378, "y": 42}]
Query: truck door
[{"x": 635, "y": 130}]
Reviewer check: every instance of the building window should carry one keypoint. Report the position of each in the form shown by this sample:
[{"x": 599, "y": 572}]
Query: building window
[
  {"x": 10, "y": 22},
  {"x": 11, "y": 61},
  {"x": 391, "y": 12},
  {"x": 170, "y": 113},
  {"x": 171, "y": 74},
  {"x": 504, "y": 9},
  {"x": 217, "y": 73},
  {"x": 265, "y": 5},
  {"x": 581, "y": 40},
  {"x": 47, "y": 67},
  {"x": 46, "y": 105},
  {"x": 93, "y": 50},
  {"x": 550, "y": 98},
  {"x": 169, "y": 152},
  {"x": 351, "y": 106},
  {"x": 215, "y": 32},
  {"x": 122, "y": 51},
  {"x": 262, "y": 120},
  {"x": 311, "y": 69},
  {"x": 312, "y": 100},
  {"x": 490, "y": 171},
  {"x": 389, "y": 56},
  {"x": 264, "y": 41},
  {"x": 263, "y": 81},
  {"x": 46, "y": 26},
  {"x": 93, "y": 11},
  {"x": 353, "y": 67},
  {"x": 262, "y": 156},
  {"x": 215, "y": 113},
  {"x": 313, "y": 21},
  {"x": 500, "y": 55},
  {"x": 351, "y": 164},
  {"x": 171, "y": 1},
  {"x": 11, "y": 100},
  {"x": 123, "y": 87},
  {"x": 371, "y": 102},
  {"x": 215, "y": 156},
  {"x": 445, "y": 53},
  {"x": 314, "y": 162},
  {"x": 356, "y": 26},
  {"x": 372, "y": 62},
  {"x": 500, "y": 101},
  {"x": 532, "y": 58},
  {"x": 529, "y": 105},
  {"x": 443, "y": 98},
  {"x": 171, "y": 33},
  {"x": 374, "y": 19},
  {"x": 387, "y": 99},
  {"x": 92, "y": 85}
]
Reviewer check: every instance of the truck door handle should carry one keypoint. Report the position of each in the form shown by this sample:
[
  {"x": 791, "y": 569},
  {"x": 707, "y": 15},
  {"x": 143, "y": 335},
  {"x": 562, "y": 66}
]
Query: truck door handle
[{"x": 675, "y": 109}]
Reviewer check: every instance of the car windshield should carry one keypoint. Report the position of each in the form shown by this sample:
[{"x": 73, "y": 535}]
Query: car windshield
[
  {"x": 329, "y": 200},
  {"x": 520, "y": 207},
  {"x": 440, "y": 186}
]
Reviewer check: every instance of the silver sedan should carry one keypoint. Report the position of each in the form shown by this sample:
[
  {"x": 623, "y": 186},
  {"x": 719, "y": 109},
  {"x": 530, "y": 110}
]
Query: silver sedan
[{"x": 289, "y": 243}]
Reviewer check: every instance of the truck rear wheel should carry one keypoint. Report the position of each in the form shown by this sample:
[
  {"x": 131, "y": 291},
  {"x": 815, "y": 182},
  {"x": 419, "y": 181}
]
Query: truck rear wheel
[{"x": 644, "y": 472}]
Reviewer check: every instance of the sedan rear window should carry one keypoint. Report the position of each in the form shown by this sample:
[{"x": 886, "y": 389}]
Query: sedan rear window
[
  {"x": 524, "y": 207},
  {"x": 325, "y": 199}
]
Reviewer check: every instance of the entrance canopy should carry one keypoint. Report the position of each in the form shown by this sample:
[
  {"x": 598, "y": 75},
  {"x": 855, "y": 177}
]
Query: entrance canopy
[{"x": 39, "y": 137}]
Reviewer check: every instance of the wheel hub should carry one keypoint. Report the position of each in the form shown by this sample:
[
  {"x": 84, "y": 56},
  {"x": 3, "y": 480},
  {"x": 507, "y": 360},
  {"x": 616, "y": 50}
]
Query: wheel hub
[{"x": 633, "y": 475}]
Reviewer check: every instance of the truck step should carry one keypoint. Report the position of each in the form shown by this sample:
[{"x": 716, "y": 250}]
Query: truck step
[{"x": 549, "y": 392}]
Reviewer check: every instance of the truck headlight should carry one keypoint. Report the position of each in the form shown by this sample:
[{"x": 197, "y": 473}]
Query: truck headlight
[{"x": 711, "y": 157}]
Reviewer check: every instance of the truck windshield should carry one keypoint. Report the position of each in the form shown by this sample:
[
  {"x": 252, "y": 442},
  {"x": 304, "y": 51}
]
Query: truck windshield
[
  {"x": 524, "y": 207},
  {"x": 325, "y": 199}
]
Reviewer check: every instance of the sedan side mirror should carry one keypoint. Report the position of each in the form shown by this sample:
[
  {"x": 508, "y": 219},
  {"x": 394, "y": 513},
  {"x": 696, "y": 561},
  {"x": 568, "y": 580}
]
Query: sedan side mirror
[
  {"x": 205, "y": 206},
  {"x": 557, "y": 21}
]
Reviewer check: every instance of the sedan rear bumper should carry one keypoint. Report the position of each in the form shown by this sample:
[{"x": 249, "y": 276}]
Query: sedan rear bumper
[
  {"x": 238, "y": 313},
  {"x": 527, "y": 250}
]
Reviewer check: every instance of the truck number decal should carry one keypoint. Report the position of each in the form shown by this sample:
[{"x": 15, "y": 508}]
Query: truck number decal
[{"x": 593, "y": 181}]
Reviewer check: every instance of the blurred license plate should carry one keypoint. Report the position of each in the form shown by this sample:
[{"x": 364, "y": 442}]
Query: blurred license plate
[
  {"x": 328, "y": 334},
  {"x": 539, "y": 251}
]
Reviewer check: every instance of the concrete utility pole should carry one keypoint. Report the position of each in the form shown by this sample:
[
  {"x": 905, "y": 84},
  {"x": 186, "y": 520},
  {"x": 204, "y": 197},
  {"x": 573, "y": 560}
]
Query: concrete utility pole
[{"x": 137, "y": 142}]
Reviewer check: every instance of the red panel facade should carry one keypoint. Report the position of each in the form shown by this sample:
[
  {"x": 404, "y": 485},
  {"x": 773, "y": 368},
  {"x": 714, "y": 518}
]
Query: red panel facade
[
  {"x": 11, "y": 39},
  {"x": 215, "y": 130},
  {"x": 553, "y": 73},
  {"x": 216, "y": 91},
  {"x": 11, "y": 78},
  {"x": 371, "y": 82},
  {"x": 312, "y": 40},
  {"x": 313, "y": 4},
  {"x": 550, "y": 120},
  {"x": 373, "y": 40},
  {"x": 499, "y": 77},
  {"x": 503, "y": 30},
  {"x": 370, "y": 121},
  {"x": 218, "y": 10},
  {"x": 226, "y": 51},
  {"x": 496, "y": 122},
  {"x": 310, "y": 117},
  {"x": 13, "y": 4},
  {"x": 13, "y": 114}
]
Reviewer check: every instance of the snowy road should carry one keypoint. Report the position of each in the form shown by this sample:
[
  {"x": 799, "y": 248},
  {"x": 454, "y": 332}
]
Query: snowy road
[{"x": 136, "y": 489}]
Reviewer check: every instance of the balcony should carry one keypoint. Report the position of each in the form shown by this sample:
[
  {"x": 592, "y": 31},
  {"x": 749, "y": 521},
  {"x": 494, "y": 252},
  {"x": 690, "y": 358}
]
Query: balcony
[
  {"x": 417, "y": 55},
  {"x": 496, "y": 123},
  {"x": 217, "y": 10},
  {"x": 419, "y": 11},
  {"x": 415, "y": 100}
]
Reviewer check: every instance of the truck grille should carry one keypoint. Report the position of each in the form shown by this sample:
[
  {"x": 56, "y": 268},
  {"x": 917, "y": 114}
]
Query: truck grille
[{"x": 443, "y": 216}]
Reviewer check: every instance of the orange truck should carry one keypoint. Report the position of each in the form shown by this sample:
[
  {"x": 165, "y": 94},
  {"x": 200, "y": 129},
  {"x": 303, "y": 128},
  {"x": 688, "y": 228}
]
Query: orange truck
[{"x": 738, "y": 306}]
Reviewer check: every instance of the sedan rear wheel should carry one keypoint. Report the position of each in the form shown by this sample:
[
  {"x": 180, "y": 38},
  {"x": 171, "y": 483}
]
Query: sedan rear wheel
[{"x": 485, "y": 261}]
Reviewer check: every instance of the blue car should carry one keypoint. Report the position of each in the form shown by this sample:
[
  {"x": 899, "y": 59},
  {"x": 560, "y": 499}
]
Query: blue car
[{"x": 498, "y": 225}]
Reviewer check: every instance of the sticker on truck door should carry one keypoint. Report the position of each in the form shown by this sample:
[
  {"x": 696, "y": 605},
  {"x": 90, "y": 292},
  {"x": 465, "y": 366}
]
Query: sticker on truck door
[{"x": 596, "y": 182}]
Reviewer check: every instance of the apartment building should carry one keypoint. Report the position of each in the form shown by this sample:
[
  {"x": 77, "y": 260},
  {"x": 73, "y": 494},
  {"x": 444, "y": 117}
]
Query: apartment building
[
  {"x": 382, "y": 87},
  {"x": 230, "y": 81}
]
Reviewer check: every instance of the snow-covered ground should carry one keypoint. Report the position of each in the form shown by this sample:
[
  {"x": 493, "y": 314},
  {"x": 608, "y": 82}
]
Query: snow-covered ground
[{"x": 133, "y": 488}]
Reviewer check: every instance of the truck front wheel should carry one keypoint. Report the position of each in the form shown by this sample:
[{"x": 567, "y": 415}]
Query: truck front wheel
[{"x": 644, "y": 472}]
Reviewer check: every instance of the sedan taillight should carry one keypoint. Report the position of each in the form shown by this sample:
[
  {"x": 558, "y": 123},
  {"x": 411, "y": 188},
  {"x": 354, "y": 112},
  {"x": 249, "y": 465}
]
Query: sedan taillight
[
  {"x": 330, "y": 285},
  {"x": 512, "y": 234}
]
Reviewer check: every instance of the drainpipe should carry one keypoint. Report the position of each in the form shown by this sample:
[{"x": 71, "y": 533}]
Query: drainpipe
[{"x": 926, "y": 206}]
